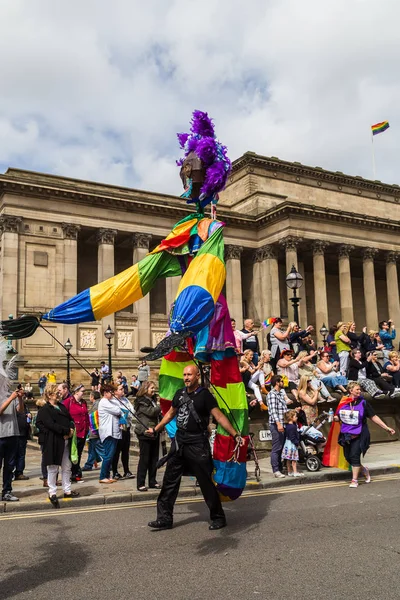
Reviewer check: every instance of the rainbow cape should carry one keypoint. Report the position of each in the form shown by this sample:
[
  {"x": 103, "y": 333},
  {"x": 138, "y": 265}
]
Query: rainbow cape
[
  {"x": 333, "y": 452},
  {"x": 379, "y": 127}
]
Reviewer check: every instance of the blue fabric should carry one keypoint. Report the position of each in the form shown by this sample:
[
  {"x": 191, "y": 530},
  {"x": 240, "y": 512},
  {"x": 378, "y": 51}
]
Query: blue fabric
[
  {"x": 171, "y": 428},
  {"x": 75, "y": 310},
  {"x": 334, "y": 381},
  {"x": 110, "y": 446},
  {"x": 192, "y": 310},
  {"x": 96, "y": 453},
  {"x": 387, "y": 338},
  {"x": 230, "y": 474}
]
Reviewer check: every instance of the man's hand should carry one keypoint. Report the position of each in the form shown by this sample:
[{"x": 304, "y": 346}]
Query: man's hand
[
  {"x": 280, "y": 427},
  {"x": 239, "y": 440},
  {"x": 253, "y": 402},
  {"x": 150, "y": 432}
]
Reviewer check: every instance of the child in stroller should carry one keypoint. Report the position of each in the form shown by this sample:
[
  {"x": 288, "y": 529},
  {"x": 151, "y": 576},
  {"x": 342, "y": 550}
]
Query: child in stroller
[{"x": 312, "y": 441}]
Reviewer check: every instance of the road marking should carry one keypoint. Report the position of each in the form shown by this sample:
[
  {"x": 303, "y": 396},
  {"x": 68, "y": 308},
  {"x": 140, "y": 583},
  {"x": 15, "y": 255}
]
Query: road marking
[{"x": 306, "y": 487}]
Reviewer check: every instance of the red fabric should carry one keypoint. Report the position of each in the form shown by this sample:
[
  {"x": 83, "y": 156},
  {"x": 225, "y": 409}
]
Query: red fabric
[
  {"x": 225, "y": 371},
  {"x": 175, "y": 356},
  {"x": 79, "y": 414},
  {"x": 165, "y": 405},
  {"x": 224, "y": 446}
]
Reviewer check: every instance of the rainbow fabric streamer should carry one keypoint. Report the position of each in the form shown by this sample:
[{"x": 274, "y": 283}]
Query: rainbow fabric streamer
[
  {"x": 333, "y": 452},
  {"x": 170, "y": 381},
  {"x": 268, "y": 322},
  {"x": 94, "y": 421},
  {"x": 380, "y": 127}
]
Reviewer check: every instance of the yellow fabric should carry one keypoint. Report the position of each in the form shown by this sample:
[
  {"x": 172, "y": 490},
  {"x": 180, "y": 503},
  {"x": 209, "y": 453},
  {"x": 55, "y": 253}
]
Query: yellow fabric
[
  {"x": 116, "y": 293},
  {"x": 206, "y": 271}
]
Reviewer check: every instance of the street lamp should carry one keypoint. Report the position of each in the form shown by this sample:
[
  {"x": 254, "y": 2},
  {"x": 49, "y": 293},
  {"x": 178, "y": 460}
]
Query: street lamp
[
  {"x": 324, "y": 332},
  {"x": 68, "y": 347},
  {"x": 109, "y": 334},
  {"x": 294, "y": 281}
]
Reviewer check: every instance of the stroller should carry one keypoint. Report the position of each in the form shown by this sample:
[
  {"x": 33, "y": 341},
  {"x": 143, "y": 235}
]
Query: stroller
[{"x": 312, "y": 443}]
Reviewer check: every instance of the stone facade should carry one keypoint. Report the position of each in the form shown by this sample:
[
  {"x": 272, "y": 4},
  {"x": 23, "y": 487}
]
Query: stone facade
[{"x": 60, "y": 236}]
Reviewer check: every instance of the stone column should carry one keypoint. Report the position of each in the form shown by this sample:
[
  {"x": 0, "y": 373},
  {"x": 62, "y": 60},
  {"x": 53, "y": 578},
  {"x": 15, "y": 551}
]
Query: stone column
[
  {"x": 171, "y": 287},
  {"x": 320, "y": 295},
  {"x": 105, "y": 270},
  {"x": 141, "y": 243},
  {"x": 303, "y": 315},
  {"x": 392, "y": 288},
  {"x": 346, "y": 293},
  {"x": 371, "y": 308},
  {"x": 70, "y": 285},
  {"x": 256, "y": 286},
  {"x": 269, "y": 272},
  {"x": 234, "y": 282},
  {"x": 9, "y": 228},
  {"x": 290, "y": 243}
]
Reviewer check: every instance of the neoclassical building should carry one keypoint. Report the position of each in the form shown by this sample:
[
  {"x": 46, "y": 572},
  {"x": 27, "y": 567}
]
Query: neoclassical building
[{"x": 60, "y": 236}]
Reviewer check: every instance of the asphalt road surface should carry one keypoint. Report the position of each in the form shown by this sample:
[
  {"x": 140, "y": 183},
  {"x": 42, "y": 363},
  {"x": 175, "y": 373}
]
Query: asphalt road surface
[{"x": 319, "y": 541}]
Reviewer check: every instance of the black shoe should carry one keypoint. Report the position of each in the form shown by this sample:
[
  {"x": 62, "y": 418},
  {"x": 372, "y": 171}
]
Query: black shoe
[
  {"x": 128, "y": 475},
  {"x": 159, "y": 525},
  {"x": 117, "y": 476},
  {"x": 73, "y": 494},
  {"x": 217, "y": 525},
  {"x": 54, "y": 501}
]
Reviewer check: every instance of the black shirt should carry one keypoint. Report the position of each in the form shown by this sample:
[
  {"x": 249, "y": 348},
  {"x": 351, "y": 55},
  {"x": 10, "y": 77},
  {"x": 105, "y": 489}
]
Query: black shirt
[{"x": 203, "y": 402}]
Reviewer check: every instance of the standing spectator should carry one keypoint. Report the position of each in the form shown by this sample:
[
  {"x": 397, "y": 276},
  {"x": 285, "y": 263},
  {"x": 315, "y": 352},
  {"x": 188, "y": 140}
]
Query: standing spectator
[
  {"x": 28, "y": 389},
  {"x": 24, "y": 419},
  {"x": 95, "y": 381},
  {"x": 148, "y": 411},
  {"x": 143, "y": 372},
  {"x": 96, "y": 450},
  {"x": 105, "y": 372},
  {"x": 55, "y": 421},
  {"x": 371, "y": 342},
  {"x": 355, "y": 339},
  {"x": 52, "y": 377},
  {"x": 123, "y": 381},
  {"x": 135, "y": 385},
  {"x": 279, "y": 340},
  {"x": 39, "y": 403},
  {"x": 277, "y": 408},
  {"x": 250, "y": 342},
  {"x": 342, "y": 347},
  {"x": 239, "y": 337},
  {"x": 125, "y": 441},
  {"x": 290, "y": 451},
  {"x": 296, "y": 336},
  {"x": 42, "y": 383},
  {"x": 387, "y": 333},
  {"x": 331, "y": 344},
  {"x": 78, "y": 410},
  {"x": 63, "y": 391},
  {"x": 383, "y": 380},
  {"x": 9, "y": 433},
  {"x": 109, "y": 431}
]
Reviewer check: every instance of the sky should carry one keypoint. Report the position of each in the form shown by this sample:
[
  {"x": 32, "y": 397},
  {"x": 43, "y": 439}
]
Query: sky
[{"x": 97, "y": 90}]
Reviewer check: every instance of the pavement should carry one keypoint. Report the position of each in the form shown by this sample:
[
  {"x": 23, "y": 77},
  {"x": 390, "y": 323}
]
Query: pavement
[
  {"x": 306, "y": 542},
  {"x": 381, "y": 458}
]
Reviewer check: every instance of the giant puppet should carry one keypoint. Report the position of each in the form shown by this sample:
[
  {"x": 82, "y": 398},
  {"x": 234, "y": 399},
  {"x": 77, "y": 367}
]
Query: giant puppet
[{"x": 199, "y": 323}]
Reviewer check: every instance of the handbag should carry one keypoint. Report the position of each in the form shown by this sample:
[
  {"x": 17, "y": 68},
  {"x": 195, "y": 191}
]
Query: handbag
[{"x": 74, "y": 449}]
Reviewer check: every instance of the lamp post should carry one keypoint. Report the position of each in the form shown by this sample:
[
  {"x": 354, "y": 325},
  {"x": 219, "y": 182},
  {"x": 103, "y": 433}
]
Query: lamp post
[
  {"x": 68, "y": 347},
  {"x": 324, "y": 332},
  {"x": 294, "y": 281},
  {"x": 109, "y": 334}
]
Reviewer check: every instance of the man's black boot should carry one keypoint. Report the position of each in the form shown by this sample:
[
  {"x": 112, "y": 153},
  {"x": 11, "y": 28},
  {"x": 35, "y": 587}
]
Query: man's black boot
[{"x": 157, "y": 524}]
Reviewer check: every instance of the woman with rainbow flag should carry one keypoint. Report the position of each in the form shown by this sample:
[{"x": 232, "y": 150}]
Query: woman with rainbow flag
[{"x": 349, "y": 435}]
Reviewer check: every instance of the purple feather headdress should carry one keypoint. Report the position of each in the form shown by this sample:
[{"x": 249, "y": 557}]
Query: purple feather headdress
[{"x": 211, "y": 152}]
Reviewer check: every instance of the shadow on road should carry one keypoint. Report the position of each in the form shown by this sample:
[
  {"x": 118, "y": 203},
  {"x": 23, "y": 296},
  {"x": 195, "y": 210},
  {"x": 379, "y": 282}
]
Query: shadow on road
[{"x": 56, "y": 561}]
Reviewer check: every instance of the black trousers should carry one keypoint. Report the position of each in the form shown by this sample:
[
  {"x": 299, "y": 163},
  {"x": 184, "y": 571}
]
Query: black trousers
[
  {"x": 148, "y": 458},
  {"x": 352, "y": 452},
  {"x": 76, "y": 469},
  {"x": 384, "y": 384},
  {"x": 123, "y": 451},
  {"x": 196, "y": 458}
]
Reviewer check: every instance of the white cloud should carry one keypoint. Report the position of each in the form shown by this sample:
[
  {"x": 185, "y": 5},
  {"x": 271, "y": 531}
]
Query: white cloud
[{"x": 97, "y": 90}]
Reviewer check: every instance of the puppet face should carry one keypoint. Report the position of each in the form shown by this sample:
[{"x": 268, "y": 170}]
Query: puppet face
[{"x": 193, "y": 169}]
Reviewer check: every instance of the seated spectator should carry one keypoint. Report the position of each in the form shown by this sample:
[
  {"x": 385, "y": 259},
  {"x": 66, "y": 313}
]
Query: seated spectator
[
  {"x": 308, "y": 397},
  {"x": 387, "y": 334},
  {"x": 279, "y": 340},
  {"x": 358, "y": 372},
  {"x": 392, "y": 366},
  {"x": 331, "y": 344},
  {"x": 328, "y": 373},
  {"x": 250, "y": 342},
  {"x": 309, "y": 370},
  {"x": 342, "y": 347},
  {"x": 266, "y": 367},
  {"x": 296, "y": 337},
  {"x": 28, "y": 389},
  {"x": 288, "y": 368},
  {"x": 135, "y": 385},
  {"x": 253, "y": 376},
  {"x": 383, "y": 380}
]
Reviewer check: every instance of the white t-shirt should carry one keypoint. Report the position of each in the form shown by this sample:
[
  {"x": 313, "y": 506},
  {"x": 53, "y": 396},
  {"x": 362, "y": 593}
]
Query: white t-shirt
[{"x": 276, "y": 345}]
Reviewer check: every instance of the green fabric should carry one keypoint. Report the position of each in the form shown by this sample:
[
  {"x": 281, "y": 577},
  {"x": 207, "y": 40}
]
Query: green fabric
[
  {"x": 214, "y": 245},
  {"x": 341, "y": 346},
  {"x": 157, "y": 266},
  {"x": 238, "y": 418},
  {"x": 168, "y": 386}
]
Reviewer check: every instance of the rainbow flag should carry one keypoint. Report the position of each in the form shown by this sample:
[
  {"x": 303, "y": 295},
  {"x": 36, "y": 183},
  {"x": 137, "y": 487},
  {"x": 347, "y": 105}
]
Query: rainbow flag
[
  {"x": 170, "y": 381},
  {"x": 94, "y": 422},
  {"x": 333, "y": 452},
  {"x": 379, "y": 127},
  {"x": 268, "y": 322}
]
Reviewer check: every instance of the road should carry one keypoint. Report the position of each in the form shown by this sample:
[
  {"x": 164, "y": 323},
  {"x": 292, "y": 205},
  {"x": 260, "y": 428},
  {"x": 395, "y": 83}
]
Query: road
[{"x": 306, "y": 542}]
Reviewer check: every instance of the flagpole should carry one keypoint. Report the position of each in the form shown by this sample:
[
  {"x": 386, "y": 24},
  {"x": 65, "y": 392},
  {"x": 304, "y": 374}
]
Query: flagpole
[{"x": 373, "y": 157}]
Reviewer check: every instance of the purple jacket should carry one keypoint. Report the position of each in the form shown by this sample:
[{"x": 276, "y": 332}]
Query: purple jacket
[{"x": 352, "y": 418}]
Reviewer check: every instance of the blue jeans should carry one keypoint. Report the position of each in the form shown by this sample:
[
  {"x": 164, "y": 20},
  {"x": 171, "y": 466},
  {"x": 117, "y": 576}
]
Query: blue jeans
[
  {"x": 255, "y": 358},
  {"x": 21, "y": 453},
  {"x": 8, "y": 455},
  {"x": 109, "y": 446},
  {"x": 278, "y": 440},
  {"x": 96, "y": 453}
]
